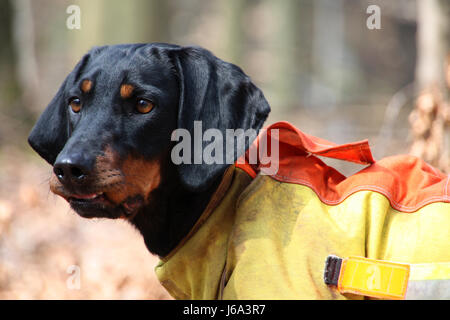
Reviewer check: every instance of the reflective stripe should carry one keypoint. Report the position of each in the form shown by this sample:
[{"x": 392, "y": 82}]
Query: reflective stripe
[
  {"x": 389, "y": 280},
  {"x": 429, "y": 281},
  {"x": 428, "y": 290}
]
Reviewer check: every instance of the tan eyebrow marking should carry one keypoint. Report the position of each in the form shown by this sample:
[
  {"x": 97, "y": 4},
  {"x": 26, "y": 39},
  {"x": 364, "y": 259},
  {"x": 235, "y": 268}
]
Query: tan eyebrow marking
[
  {"x": 126, "y": 90},
  {"x": 86, "y": 86}
]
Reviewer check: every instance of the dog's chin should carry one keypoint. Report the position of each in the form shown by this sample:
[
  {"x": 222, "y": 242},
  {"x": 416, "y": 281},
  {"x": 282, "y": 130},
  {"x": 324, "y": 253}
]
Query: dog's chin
[
  {"x": 94, "y": 209},
  {"x": 100, "y": 207}
]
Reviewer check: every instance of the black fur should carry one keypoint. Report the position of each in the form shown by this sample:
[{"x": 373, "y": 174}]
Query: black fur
[{"x": 186, "y": 84}]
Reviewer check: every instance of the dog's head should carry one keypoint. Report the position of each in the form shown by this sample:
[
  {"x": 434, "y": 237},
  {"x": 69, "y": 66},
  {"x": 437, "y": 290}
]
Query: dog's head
[{"x": 107, "y": 132}]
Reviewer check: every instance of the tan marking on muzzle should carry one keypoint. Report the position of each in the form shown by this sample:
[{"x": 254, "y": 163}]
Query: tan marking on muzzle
[
  {"x": 119, "y": 179},
  {"x": 128, "y": 178},
  {"x": 57, "y": 188}
]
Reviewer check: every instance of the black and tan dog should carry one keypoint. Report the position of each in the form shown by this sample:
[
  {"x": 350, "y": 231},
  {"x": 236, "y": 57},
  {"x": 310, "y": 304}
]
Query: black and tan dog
[
  {"x": 107, "y": 134},
  {"x": 229, "y": 231}
]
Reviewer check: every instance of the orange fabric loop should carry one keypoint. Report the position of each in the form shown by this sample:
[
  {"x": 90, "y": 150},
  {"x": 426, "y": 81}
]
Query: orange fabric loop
[{"x": 408, "y": 182}]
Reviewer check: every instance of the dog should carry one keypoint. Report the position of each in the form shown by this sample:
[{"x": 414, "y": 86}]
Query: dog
[{"x": 108, "y": 133}]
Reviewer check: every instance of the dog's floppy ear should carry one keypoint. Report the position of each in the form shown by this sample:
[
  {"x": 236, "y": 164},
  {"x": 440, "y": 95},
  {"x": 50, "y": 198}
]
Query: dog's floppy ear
[
  {"x": 51, "y": 131},
  {"x": 221, "y": 96}
]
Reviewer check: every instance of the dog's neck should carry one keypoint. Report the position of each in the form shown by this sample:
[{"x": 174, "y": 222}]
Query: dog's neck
[{"x": 171, "y": 213}]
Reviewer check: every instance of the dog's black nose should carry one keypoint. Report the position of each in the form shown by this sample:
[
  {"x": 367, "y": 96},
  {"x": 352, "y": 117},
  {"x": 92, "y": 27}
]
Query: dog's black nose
[{"x": 71, "y": 170}]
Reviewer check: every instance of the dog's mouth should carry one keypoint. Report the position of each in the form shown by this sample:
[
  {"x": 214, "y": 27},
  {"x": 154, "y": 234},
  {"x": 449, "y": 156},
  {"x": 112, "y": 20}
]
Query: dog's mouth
[
  {"x": 110, "y": 191},
  {"x": 98, "y": 205},
  {"x": 93, "y": 199}
]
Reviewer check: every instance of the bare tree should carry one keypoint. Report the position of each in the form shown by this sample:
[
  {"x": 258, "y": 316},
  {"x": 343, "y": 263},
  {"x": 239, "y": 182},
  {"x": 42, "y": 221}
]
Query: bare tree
[
  {"x": 26, "y": 66},
  {"x": 430, "y": 119}
]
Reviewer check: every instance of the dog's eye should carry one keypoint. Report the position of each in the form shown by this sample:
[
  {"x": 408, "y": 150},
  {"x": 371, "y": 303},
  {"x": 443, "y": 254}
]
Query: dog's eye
[
  {"x": 75, "y": 104},
  {"x": 144, "y": 106}
]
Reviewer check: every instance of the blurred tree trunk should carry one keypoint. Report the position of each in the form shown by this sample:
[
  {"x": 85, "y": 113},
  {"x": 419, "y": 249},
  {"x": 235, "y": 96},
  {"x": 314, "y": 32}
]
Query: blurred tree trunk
[
  {"x": 90, "y": 34},
  {"x": 328, "y": 53},
  {"x": 156, "y": 15},
  {"x": 26, "y": 65},
  {"x": 234, "y": 30},
  {"x": 284, "y": 89},
  {"x": 115, "y": 21},
  {"x": 430, "y": 119}
]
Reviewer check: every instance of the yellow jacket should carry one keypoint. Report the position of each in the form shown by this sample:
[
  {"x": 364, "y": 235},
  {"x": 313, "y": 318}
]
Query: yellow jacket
[{"x": 268, "y": 237}]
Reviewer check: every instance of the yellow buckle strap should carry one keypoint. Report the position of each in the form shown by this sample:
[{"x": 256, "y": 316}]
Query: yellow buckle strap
[
  {"x": 368, "y": 277},
  {"x": 388, "y": 280},
  {"x": 374, "y": 278}
]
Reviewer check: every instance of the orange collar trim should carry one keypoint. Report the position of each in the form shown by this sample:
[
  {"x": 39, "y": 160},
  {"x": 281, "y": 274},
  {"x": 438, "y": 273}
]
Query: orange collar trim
[{"x": 408, "y": 182}]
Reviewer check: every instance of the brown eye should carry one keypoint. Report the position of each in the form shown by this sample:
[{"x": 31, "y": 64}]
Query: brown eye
[
  {"x": 144, "y": 106},
  {"x": 75, "y": 104}
]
